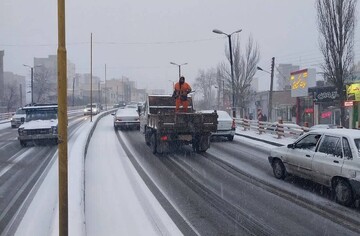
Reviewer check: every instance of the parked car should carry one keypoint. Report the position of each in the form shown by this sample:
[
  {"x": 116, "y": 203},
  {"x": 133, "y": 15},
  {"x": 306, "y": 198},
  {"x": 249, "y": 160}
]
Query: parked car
[
  {"x": 16, "y": 120},
  {"x": 326, "y": 156},
  {"x": 95, "y": 109},
  {"x": 126, "y": 118},
  {"x": 226, "y": 124}
]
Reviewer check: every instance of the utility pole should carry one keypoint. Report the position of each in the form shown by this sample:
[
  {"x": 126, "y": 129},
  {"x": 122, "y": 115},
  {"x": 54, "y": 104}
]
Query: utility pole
[
  {"x": 91, "y": 78},
  {"x": 99, "y": 93},
  {"x": 73, "y": 93},
  {"x": 105, "y": 90},
  {"x": 21, "y": 95},
  {"x": 32, "y": 85},
  {"x": 271, "y": 89},
  {"x": 62, "y": 122}
]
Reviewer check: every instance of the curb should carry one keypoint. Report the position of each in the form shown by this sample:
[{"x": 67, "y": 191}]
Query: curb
[{"x": 261, "y": 140}]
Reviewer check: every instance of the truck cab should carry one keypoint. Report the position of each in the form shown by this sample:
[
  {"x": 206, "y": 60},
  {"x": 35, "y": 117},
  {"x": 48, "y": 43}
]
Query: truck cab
[{"x": 40, "y": 124}]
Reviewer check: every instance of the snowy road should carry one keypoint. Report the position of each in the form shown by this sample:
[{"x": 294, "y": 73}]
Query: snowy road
[
  {"x": 229, "y": 190},
  {"x": 117, "y": 202}
]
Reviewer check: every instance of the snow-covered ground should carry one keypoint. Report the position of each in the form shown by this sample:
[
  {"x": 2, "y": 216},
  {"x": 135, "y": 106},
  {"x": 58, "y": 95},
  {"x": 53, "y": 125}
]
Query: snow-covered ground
[{"x": 118, "y": 202}]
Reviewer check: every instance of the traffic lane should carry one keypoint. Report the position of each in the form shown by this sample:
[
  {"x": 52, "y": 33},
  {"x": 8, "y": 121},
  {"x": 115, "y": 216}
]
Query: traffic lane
[
  {"x": 249, "y": 203},
  {"x": 253, "y": 159},
  {"x": 203, "y": 217},
  {"x": 275, "y": 213}
]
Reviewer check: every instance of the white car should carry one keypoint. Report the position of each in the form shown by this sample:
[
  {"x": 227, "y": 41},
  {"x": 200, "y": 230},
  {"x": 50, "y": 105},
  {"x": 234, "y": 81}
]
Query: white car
[
  {"x": 226, "y": 124},
  {"x": 126, "y": 118},
  {"x": 327, "y": 156},
  {"x": 94, "y": 108},
  {"x": 16, "y": 120}
]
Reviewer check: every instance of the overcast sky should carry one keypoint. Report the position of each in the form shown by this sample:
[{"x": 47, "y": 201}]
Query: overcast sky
[{"x": 139, "y": 38}]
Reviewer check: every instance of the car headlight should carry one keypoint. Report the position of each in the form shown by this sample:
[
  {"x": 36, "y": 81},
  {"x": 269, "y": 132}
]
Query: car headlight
[
  {"x": 21, "y": 131},
  {"x": 11, "y": 119},
  {"x": 94, "y": 110},
  {"x": 54, "y": 129},
  {"x": 85, "y": 110}
]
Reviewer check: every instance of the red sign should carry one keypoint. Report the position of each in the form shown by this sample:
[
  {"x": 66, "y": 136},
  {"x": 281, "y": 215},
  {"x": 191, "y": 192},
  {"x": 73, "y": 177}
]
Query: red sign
[
  {"x": 326, "y": 114},
  {"x": 309, "y": 110},
  {"x": 348, "y": 103}
]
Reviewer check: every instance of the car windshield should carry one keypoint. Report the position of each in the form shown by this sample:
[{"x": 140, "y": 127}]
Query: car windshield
[
  {"x": 93, "y": 106},
  {"x": 357, "y": 143},
  {"x": 41, "y": 115},
  {"x": 20, "y": 112}
]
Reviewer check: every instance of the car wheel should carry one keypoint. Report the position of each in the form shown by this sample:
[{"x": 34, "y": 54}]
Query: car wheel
[
  {"x": 153, "y": 143},
  {"x": 343, "y": 192},
  {"x": 230, "y": 138},
  {"x": 13, "y": 126},
  {"x": 23, "y": 143},
  {"x": 278, "y": 169}
]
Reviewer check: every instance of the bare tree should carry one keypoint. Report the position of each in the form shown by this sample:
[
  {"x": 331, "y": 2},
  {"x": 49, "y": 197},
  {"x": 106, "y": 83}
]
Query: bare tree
[
  {"x": 11, "y": 96},
  {"x": 336, "y": 24},
  {"x": 42, "y": 85},
  {"x": 204, "y": 83},
  {"x": 244, "y": 70}
]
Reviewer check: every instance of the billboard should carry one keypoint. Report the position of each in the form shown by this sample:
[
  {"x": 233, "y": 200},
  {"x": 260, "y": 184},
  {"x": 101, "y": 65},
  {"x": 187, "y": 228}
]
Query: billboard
[
  {"x": 324, "y": 94},
  {"x": 353, "y": 92},
  {"x": 301, "y": 80}
]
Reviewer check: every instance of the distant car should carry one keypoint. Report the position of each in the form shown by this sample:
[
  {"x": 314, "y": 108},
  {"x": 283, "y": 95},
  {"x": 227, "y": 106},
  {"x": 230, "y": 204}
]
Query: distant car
[
  {"x": 95, "y": 109},
  {"x": 323, "y": 126},
  {"x": 132, "y": 106},
  {"x": 327, "y": 156},
  {"x": 226, "y": 125},
  {"x": 16, "y": 120},
  {"x": 119, "y": 105},
  {"x": 126, "y": 118}
]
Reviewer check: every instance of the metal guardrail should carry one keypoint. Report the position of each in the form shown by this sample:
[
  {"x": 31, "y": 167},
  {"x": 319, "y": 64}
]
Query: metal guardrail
[
  {"x": 274, "y": 128},
  {"x": 6, "y": 116}
]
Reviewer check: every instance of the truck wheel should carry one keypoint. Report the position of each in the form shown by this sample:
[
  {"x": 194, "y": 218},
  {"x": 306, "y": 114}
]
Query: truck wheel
[
  {"x": 195, "y": 144},
  {"x": 147, "y": 137},
  {"x": 230, "y": 137},
  {"x": 23, "y": 143},
  {"x": 343, "y": 192},
  {"x": 153, "y": 143}
]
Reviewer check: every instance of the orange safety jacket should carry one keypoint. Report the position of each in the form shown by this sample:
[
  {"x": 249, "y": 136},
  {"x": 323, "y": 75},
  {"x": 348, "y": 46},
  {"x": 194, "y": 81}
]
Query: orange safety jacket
[{"x": 181, "y": 90}]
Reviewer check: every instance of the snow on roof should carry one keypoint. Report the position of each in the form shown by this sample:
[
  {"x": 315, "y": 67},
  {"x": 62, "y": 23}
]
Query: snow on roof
[
  {"x": 40, "y": 107},
  {"x": 352, "y": 133}
]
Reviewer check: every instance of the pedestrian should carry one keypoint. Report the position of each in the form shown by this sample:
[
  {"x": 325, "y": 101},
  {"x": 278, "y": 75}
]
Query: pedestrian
[{"x": 181, "y": 90}]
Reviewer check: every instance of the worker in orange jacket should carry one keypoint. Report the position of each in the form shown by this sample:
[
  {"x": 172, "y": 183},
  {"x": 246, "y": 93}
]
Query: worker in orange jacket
[{"x": 181, "y": 90}]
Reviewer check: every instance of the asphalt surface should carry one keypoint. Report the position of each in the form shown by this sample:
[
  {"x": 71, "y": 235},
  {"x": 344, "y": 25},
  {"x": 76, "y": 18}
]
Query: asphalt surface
[{"x": 230, "y": 190}]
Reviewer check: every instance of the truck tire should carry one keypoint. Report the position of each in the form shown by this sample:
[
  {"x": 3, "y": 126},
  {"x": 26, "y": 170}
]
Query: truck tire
[
  {"x": 201, "y": 143},
  {"x": 153, "y": 143},
  {"x": 23, "y": 143},
  {"x": 148, "y": 136}
]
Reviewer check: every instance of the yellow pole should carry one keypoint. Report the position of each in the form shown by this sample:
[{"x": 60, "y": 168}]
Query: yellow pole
[{"x": 62, "y": 117}]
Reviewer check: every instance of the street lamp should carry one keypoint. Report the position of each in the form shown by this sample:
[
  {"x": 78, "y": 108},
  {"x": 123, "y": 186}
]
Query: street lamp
[
  {"x": 179, "y": 65},
  {"x": 271, "y": 86},
  {"x": 32, "y": 81},
  {"x": 216, "y": 31}
]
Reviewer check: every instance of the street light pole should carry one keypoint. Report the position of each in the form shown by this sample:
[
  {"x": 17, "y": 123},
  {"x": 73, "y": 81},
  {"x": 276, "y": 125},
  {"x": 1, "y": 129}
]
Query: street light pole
[
  {"x": 216, "y": 31},
  {"x": 32, "y": 85},
  {"x": 271, "y": 86},
  {"x": 32, "y": 82},
  {"x": 179, "y": 65}
]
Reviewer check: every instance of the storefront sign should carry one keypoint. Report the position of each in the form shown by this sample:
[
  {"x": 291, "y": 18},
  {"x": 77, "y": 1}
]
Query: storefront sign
[
  {"x": 300, "y": 82},
  {"x": 348, "y": 103},
  {"x": 324, "y": 94},
  {"x": 309, "y": 110},
  {"x": 353, "y": 92},
  {"x": 325, "y": 115}
]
